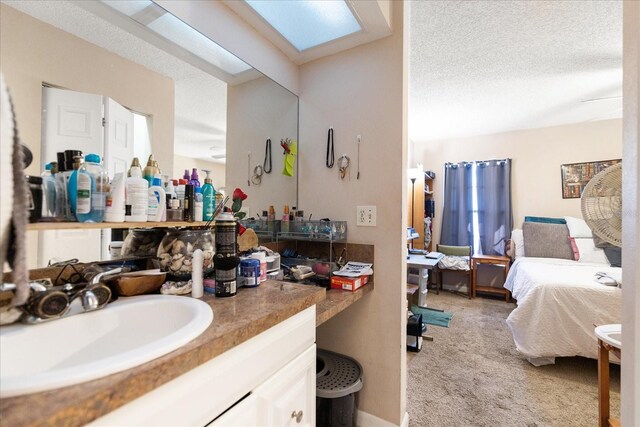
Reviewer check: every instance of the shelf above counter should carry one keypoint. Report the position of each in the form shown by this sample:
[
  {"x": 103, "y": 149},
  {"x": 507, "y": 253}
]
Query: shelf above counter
[{"x": 45, "y": 226}]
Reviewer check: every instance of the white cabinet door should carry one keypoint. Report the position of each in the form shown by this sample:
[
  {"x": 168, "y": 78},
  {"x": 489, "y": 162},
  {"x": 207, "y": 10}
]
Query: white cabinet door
[
  {"x": 288, "y": 398},
  {"x": 243, "y": 414}
]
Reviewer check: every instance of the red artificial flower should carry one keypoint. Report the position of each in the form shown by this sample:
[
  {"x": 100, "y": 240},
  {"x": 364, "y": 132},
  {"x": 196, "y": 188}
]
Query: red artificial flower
[{"x": 238, "y": 194}]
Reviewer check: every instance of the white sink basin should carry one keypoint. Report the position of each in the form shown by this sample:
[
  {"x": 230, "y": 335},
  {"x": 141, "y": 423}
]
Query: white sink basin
[{"x": 127, "y": 333}]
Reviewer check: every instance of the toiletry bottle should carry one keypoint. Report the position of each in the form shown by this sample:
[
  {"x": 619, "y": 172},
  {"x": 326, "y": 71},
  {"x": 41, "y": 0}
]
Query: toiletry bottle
[
  {"x": 197, "y": 287},
  {"x": 285, "y": 219},
  {"x": 82, "y": 184},
  {"x": 70, "y": 159},
  {"x": 150, "y": 170},
  {"x": 186, "y": 175},
  {"x": 63, "y": 212},
  {"x": 134, "y": 163},
  {"x": 157, "y": 168},
  {"x": 208, "y": 198},
  {"x": 180, "y": 191},
  {"x": 194, "y": 178},
  {"x": 114, "y": 210},
  {"x": 189, "y": 203},
  {"x": 157, "y": 210},
  {"x": 49, "y": 190},
  {"x": 93, "y": 170},
  {"x": 72, "y": 185},
  {"x": 271, "y": 218},
  {"x": 137, "y": 197},
  {"x": 219, "y": 198},
  {"x": 170, "y": 192},
  {"x": 199, "y": 205}
]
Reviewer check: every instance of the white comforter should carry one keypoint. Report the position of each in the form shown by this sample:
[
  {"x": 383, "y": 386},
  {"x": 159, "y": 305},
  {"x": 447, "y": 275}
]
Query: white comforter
[{"x": 559, "y": 302}]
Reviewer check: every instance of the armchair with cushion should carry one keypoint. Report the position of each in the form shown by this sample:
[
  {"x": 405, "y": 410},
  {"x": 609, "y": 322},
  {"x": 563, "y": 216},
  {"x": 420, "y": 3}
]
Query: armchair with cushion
[{"x": 456, "y": 258}]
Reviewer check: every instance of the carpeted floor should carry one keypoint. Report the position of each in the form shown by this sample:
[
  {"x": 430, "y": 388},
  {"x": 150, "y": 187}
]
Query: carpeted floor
[{"x": 472, "y": 375}]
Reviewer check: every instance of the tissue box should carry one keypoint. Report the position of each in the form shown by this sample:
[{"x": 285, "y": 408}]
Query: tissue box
[{"x": 348, "y": 283}]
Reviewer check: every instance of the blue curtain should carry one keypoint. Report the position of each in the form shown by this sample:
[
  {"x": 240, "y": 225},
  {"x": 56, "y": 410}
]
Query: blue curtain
[
  {"x": 495, "y": 217},
  {"x": 457, "y": 209}
]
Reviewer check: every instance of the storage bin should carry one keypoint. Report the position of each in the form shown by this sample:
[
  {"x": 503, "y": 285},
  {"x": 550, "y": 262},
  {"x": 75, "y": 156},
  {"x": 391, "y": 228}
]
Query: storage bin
[{"x": 338, "y": 379}]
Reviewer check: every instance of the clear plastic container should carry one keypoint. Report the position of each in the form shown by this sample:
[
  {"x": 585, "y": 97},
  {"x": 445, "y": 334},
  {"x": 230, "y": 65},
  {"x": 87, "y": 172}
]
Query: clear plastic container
[
  {"x": 142, "y": 242},
  {"x": 91, "y": 190},
  {"x": 175, "y": 252}
]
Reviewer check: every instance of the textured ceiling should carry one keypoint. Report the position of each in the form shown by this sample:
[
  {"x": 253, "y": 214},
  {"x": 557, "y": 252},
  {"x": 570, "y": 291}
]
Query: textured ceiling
[
  {"x": 481, "y": 67},
  {"x": 200, "y": 99}
]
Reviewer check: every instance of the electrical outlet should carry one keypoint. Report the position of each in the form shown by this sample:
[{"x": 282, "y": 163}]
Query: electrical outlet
[{"x": 366, "y": 216}]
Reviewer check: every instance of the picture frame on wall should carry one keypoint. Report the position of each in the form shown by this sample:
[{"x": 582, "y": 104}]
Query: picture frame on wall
[{"x": 575, "y": 176}]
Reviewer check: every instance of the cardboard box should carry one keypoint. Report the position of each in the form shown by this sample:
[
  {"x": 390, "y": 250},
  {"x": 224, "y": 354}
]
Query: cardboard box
[{"x": 348, "y": 283}]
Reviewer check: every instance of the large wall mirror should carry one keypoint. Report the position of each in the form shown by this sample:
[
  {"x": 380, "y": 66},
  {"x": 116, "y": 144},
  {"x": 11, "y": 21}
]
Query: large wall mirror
[{"x": 201, "y": 106}]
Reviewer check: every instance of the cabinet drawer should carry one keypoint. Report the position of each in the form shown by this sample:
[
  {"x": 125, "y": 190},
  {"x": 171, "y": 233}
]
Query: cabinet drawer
[
  {"x": 289, "y": 397},
  {"x": 244, "y": 413}
]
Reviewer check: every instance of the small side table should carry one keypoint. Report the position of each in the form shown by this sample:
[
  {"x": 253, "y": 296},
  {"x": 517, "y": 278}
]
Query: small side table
[
  {"x": 609, "y": 340},
  {"x": 498, "y": 260}
]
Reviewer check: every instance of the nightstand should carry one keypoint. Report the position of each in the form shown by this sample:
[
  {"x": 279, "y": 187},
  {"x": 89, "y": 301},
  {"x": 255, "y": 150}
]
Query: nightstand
[{"x": 497, "y": 260}]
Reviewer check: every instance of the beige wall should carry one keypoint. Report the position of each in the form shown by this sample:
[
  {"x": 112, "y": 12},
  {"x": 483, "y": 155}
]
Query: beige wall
[
  {"x": 180, "y": 163},
  {"x": 32, "y": 52},
  {"x": 536, "y": 154},
  {"x": 360, "y": 91},
  {"x": 257, "y": 110}
]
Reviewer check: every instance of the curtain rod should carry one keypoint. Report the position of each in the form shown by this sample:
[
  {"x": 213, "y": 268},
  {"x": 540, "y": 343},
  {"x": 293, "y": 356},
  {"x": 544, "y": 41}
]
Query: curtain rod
[{"x": 477, "y": 162}]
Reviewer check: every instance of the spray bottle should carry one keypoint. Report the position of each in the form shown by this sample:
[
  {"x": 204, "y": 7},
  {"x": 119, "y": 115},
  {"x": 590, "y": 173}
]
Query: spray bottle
[
  {"x": 208, "y": 197},
  {"x": 194, "y": 178}
]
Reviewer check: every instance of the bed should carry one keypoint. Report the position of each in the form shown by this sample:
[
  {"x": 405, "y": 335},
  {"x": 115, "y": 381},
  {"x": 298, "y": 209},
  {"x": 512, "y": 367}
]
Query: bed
[{"x": 558, "y": 303}]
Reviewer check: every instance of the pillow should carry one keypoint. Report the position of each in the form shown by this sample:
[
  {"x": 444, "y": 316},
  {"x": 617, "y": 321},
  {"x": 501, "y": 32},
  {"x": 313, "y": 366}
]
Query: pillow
[
  {"x": 517, "y": 243},
  {"x": 574, "y": 248},
  {"x": 544, "y": 220},
  {"x": 578, "y": 228},
  {"x": 589, "y": 252},
  {"x": 614, "y": 255},
  {"x": 546, "y": 240}
]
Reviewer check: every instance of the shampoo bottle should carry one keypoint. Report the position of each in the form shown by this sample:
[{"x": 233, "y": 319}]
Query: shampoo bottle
[
  {"x": 137, "y": 197},
  {"x": 208, "y": 198},
  {"x": 157, "y": 201}
]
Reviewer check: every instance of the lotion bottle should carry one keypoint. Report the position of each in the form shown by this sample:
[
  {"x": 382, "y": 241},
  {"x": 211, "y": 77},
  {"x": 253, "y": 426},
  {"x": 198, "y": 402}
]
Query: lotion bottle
[{"x": 137, "y": 197}]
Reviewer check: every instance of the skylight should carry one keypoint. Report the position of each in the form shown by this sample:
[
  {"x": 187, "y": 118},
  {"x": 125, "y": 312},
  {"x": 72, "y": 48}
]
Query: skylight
[
  {"x": 308, "y": 23},
  {"x": 156, "y": 19}
]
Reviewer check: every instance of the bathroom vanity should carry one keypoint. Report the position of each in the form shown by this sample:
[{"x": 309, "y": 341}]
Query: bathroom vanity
[{"x": 256, "y": 361}]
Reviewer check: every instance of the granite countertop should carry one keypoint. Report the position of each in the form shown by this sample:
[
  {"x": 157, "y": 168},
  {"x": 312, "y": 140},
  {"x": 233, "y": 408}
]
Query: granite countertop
[{"x": 236, "y": 320}]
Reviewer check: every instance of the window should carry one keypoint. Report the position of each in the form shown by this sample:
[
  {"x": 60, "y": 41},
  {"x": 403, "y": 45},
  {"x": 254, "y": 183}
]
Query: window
[{"x": 477, "y": 205}]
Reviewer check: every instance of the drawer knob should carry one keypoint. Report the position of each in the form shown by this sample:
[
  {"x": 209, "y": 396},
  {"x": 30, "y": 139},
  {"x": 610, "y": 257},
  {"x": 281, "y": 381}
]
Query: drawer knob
[{"x": 297, "y": 415}]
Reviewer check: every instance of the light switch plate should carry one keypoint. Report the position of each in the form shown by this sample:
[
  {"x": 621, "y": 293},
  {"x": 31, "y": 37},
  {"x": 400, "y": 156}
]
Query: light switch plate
[{"x": 366, "y": 216}]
